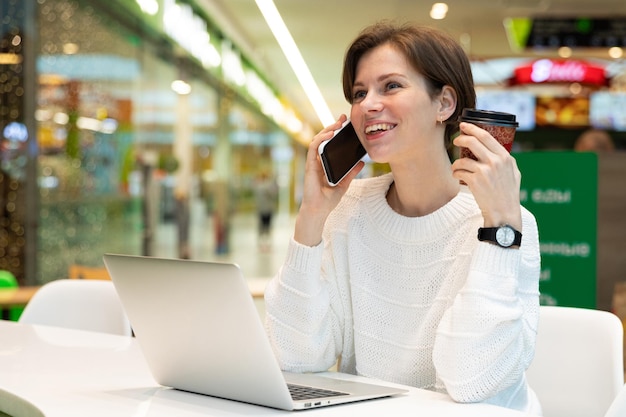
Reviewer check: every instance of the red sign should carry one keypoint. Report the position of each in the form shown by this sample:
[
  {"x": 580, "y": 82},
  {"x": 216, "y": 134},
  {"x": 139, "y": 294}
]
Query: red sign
[{"x": 564, "y": 71}]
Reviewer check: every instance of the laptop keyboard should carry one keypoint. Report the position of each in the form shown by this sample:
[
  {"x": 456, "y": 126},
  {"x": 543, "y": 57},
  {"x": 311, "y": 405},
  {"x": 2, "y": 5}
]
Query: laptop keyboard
[{"x": 299, "y": 392}]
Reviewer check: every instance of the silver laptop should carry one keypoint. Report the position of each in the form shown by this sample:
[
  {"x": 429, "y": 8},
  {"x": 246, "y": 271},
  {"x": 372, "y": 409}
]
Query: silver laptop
[{"x": 199, "y": 330}]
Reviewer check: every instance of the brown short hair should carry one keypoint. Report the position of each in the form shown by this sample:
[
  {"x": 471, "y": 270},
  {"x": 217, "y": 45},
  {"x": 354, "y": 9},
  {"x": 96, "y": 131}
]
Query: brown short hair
[{"x": 431, "y": 52}]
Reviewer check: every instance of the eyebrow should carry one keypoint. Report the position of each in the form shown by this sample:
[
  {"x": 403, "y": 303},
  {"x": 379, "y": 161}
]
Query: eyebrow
[{"x": 383, "y": 78}]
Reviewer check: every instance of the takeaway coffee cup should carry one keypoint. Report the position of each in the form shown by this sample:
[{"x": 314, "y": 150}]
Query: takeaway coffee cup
[{"x": 501, "y": 126}]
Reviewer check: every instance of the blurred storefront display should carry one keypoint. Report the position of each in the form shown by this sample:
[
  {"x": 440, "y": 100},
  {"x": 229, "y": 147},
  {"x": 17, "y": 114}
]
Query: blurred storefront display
[
  {"x": 110, "y": 108},
  {"x": 557, "y": 99},
  {"x": 134, "y": 105}
]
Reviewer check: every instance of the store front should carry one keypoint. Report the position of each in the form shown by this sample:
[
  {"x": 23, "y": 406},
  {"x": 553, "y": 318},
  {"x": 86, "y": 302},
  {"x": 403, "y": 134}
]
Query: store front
[{"x": 555, "y": 100}]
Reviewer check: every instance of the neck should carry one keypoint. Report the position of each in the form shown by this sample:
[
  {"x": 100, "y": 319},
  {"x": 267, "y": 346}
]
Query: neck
[{"x": 418, "y": 192}]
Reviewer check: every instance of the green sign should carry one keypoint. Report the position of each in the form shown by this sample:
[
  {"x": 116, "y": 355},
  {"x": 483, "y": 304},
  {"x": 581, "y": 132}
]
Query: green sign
[
  {"x": 561, "y": 190},
  {"x": 574, "y": 32}
]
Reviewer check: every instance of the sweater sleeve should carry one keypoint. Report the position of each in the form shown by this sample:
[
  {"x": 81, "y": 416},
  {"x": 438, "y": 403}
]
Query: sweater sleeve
[
  {"x": 486, "y": 338},
  {"x": 304, "y": 330}
]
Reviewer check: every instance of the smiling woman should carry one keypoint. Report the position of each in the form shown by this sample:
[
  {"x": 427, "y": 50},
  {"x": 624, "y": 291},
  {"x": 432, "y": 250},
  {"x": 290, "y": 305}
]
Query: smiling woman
[
  {"x": 387, "y": 274},
  {"x": 419, "y": 53}
]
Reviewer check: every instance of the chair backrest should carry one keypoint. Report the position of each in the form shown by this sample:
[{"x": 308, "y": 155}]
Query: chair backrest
[
  {"x": 578, "y": 368},
  {"x": 79, "y": 304},
  {"x": 618, "y": 406},
  {"x": 76, "y": 271}
]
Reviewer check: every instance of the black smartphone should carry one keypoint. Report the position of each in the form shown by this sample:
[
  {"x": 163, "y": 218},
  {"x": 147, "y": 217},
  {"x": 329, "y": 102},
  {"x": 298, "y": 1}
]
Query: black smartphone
[{"x": 340, "y": 153}]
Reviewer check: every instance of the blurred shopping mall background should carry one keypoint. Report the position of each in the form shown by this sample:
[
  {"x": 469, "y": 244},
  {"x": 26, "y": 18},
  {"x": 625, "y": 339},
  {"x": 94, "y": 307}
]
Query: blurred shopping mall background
[{"x": 142, "y": 126}]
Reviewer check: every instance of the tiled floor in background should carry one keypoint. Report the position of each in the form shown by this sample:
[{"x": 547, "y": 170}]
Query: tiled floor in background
[
  {"x": 256, "y": 261},
  {"x": 259, "y": 263}
]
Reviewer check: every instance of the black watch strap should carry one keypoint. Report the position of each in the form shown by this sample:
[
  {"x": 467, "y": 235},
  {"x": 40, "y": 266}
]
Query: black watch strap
[{"x": 490, "y": 234}]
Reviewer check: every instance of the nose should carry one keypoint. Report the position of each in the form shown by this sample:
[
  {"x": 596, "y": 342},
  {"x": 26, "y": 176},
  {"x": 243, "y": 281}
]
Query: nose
[{"x": 372, "y": 102}]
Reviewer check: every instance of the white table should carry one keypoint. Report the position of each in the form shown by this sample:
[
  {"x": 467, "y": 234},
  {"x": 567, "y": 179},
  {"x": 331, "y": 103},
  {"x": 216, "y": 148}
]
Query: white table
[{"x": 49, "y": 371}]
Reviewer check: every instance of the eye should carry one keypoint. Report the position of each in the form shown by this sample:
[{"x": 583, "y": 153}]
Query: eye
[
  {"x": 358, "y": 95},
  {"x": 393, "y": 85}
]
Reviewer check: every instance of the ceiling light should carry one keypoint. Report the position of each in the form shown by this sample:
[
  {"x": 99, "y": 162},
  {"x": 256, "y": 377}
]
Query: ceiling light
[
  {"x": 150, "y": 7},
  {"x": 439, "y": 11},
  {"x": 61, "y": 118},
  {"x": 88, "y": 123},
  {"x": 42, "y": 115},
  {"x": 8, "y": 58},
  {"x": 181, "y": 87},
  {"x": 295, "y": 59},
  {"x": 575, "y": 88},
  {"x": 70, "y": 48},
  {"x": 565, "y": 52},
  {"x": 616, "y": 52}
]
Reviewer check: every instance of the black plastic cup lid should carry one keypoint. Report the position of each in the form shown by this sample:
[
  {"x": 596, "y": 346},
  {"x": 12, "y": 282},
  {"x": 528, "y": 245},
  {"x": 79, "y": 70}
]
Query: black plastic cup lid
[{"x": 488, "y": 116}]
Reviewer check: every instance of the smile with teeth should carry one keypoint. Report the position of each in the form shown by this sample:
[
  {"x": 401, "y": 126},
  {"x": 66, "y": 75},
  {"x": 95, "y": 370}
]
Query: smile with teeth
[{"x": 379, "y": 127}]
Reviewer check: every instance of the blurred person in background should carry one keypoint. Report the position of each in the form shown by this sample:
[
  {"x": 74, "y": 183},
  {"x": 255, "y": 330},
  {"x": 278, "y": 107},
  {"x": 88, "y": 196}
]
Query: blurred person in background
[
  {"x": 594, "y": 140},
  {"x": 183, "y": 216},
  {"x": 266, "y": 197}
]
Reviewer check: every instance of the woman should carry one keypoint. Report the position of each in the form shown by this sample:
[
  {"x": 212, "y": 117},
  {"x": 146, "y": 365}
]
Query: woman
[{"x": 386, "y": 274}]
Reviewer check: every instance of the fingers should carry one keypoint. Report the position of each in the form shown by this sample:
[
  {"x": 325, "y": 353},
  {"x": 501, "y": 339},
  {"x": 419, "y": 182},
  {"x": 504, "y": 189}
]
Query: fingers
[
  {"x": 325, "y": 134},
  {"x": 493, "y": 177},
  {"x": 313, "y": 164},
  {"x": 494, "y": 168},
  {"x": 351, "y": 175},
  {"x": 479, "y": 141},
  {"x": 491, "y": 157}
]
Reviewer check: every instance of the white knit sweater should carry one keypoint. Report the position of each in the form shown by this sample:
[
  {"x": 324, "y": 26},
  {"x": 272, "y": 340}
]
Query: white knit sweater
[{"x": 417, "y": 301}]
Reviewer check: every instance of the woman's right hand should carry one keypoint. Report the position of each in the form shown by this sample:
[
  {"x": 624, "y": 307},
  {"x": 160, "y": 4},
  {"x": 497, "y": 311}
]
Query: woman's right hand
[{"x": 319, "y": 198}]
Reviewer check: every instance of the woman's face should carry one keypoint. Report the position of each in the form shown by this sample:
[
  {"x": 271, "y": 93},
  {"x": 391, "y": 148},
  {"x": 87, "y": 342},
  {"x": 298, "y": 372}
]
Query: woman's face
[{"x": 392, "y": 112}]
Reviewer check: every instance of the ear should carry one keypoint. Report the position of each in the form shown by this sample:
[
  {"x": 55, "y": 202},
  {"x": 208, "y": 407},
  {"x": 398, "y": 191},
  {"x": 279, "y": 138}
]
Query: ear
[{"x": 447, "y": 101}]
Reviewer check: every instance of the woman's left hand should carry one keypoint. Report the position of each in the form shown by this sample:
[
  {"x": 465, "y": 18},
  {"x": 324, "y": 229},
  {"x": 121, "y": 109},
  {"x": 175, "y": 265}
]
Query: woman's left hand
[{"x": 493, "y": 178}]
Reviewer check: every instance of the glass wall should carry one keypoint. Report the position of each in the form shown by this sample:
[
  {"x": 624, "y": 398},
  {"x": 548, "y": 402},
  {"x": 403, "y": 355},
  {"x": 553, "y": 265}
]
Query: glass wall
[
  {"x": 123, "y": 158},
  {"x": 89, "y": 72},
  {"x": 17, "y": 141}
]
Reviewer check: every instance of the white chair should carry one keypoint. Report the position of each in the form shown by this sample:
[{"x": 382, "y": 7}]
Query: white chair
[
  {"x": 79, "y": 304},
  {"x": 578, "y": 369},
  {"x": 618, "y": 406}
]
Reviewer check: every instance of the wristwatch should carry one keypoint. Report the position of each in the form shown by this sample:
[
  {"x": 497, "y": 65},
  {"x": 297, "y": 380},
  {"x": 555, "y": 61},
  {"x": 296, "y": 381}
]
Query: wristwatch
[{"x": 504, "y": 236}]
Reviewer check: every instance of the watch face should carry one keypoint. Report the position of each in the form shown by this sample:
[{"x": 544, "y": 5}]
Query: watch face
[{"x": 505, "y": 236}]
